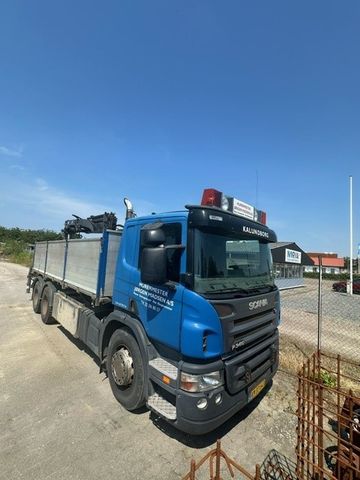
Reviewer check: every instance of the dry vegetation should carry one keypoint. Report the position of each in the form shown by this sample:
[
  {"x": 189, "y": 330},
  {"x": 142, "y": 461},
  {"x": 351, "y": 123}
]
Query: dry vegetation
[{"x": 293, "y": 354}]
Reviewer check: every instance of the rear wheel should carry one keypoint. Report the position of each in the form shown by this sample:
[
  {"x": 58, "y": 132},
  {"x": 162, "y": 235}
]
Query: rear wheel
[
  {"x": 125, "y": 369},
  {"x": 36, "y": 296},
  {"x": 46, "y": 307}
]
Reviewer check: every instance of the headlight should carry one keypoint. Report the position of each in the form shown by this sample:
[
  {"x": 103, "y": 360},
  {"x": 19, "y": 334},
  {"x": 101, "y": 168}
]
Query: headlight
[{"x": 201, "y": 383}]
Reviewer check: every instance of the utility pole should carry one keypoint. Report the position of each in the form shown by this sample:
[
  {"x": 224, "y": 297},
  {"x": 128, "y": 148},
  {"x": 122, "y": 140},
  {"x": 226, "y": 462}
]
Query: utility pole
[
  {"x": 319, "y": 334},
  {"x": 351, "y": 239}
]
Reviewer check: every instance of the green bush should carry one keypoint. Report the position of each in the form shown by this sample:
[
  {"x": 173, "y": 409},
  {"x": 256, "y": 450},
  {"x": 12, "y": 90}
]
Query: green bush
[
  {"x": 27, "y": 236},
  {"x": 22, "y": 258},
  {"x": 331, "y": 276},
  {"x": 14, "y": 243},
  {"x": 327, "y": 379}
]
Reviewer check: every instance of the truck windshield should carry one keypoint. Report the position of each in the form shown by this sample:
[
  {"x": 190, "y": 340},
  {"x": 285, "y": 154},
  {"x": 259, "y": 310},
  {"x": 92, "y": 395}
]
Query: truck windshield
[{"x": 229, "y": 263}]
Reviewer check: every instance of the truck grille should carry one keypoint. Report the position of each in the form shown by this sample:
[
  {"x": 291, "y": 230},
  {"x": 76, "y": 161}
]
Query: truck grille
[
  {"x": 250, "y": 338},
  {"x": 248, "y": 366},
  {"x": 248, "y": 330}
]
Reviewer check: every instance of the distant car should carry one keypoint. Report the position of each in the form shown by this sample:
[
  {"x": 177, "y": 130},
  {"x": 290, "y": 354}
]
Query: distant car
[{"x": 341, "y": 286}]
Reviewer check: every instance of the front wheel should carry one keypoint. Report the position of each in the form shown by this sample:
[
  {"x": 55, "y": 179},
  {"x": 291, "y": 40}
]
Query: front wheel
[{"x": 125, "y": 369}]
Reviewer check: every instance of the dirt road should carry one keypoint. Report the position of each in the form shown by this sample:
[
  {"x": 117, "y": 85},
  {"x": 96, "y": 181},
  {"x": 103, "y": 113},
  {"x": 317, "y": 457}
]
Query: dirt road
[{"x": 59, "y": 420}]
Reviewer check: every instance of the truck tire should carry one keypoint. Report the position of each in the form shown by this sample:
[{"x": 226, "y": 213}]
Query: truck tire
[
  {"x": 125, "y": 369},
  {"x": 46, "y": 306},
  {"x": 36, "y": 295}
]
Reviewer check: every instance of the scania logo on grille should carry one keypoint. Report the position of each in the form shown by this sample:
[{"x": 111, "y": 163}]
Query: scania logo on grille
[{"x": 258, "y": 304}]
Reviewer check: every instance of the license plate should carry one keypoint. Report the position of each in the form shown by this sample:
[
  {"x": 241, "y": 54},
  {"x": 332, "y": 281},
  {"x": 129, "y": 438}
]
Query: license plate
[{"x": 256, "y": 390}]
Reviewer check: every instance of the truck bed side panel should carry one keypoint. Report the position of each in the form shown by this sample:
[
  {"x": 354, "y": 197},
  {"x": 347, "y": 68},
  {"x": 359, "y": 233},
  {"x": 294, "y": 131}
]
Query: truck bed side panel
[
  {"x": 82, "y": 264},
  {"x": 55, "y": 259},
  {"x": 40, "y": 256},
  {"x": 85, "y": 264}
]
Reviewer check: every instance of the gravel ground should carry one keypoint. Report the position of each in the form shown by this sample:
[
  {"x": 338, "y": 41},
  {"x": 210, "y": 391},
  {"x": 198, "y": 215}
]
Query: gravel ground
[{"x": 59, "y": 419}]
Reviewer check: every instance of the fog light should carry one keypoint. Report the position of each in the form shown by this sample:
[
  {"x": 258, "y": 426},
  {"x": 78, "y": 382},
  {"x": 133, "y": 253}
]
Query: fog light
[
  {"x": 202, "y": 403},
  {"x": 218, "y": 399}
]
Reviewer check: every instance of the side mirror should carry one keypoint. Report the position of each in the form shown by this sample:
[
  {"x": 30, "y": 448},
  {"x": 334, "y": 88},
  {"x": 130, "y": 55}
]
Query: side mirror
[
  {"x": 153, "y": 265},
  {"x": 152, "y": 235}
]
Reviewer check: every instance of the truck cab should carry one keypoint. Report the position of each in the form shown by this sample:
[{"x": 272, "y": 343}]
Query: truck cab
[{"x": 200, "y": 282}]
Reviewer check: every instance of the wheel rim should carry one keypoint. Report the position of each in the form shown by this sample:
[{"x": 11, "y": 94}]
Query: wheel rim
[{"x": 122, "y": 368}]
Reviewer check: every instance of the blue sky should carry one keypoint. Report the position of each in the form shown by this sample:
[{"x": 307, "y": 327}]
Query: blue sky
[{"x": 157, "y": 100}]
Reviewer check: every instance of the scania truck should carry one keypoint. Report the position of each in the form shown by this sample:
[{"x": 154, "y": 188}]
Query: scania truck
[{"x": 181, "y": 308}]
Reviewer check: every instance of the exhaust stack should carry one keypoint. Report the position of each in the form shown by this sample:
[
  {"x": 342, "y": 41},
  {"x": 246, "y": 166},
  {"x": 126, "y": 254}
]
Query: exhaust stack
[{"x": 129, "y": 209}]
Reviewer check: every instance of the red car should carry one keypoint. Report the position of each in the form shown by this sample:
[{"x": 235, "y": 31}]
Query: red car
[{"x": 341, "y": 286}]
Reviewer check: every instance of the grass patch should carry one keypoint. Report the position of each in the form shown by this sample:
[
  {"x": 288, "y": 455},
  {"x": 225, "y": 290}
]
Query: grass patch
[
  {"x": 16, "y": 252},
  {"x": 327, "y": 379},
  {"x": 21, "y": 258}
]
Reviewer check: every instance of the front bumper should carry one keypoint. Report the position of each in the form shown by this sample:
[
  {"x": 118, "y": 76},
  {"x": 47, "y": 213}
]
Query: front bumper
[
  {"x": 244, "y": 372},
  {"x": 191, "y": 419}
]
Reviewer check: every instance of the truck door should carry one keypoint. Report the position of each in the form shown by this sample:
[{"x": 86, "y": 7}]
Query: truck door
[{"x": 160, "y": 306}]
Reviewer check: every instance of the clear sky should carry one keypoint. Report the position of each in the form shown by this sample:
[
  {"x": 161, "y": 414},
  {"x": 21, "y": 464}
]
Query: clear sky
[{"x": 156, "y": 100}]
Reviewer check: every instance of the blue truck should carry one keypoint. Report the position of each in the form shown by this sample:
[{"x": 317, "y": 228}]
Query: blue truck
[{"x": 181, "y": 308}]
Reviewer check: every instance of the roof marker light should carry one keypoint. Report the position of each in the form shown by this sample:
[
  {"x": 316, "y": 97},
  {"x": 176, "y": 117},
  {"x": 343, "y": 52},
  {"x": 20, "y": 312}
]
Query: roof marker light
[
  {"x": 211, "y": 197},
  {"x": 214, "y": 198}
]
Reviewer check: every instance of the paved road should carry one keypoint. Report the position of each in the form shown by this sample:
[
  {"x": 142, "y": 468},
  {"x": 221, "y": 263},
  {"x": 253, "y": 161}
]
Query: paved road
[
  {"x": 59, "y": 420},
  {"x": 334, "y": 304},
  {"x": 340, "y": 318}
]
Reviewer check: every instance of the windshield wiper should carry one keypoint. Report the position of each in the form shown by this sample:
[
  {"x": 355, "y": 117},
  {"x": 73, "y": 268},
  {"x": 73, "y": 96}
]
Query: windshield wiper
[
  {"x": 227, "y": 290},
  {"x": 247, "y": 291},
  {"x": 235, "y": 289},
  {"x": 261, "y": 288},
  {"x": 241, "y": 290}
]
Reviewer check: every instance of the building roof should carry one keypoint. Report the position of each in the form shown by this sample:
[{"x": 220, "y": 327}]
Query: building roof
[
  {"x": 279, "y": 244},
  {"x": 328, "y": 261},
  {"x": 323, "y": 254}
]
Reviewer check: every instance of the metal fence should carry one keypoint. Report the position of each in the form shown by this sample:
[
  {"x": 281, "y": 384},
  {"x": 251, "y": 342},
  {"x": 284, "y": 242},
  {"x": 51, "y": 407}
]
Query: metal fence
[
  {"x": 328, "y": 431},
  {"x": 314, "y": 316}
]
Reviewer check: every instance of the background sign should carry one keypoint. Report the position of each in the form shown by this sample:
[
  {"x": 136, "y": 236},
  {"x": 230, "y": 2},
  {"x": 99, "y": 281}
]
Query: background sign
[{"x": 292, "y": 256}]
